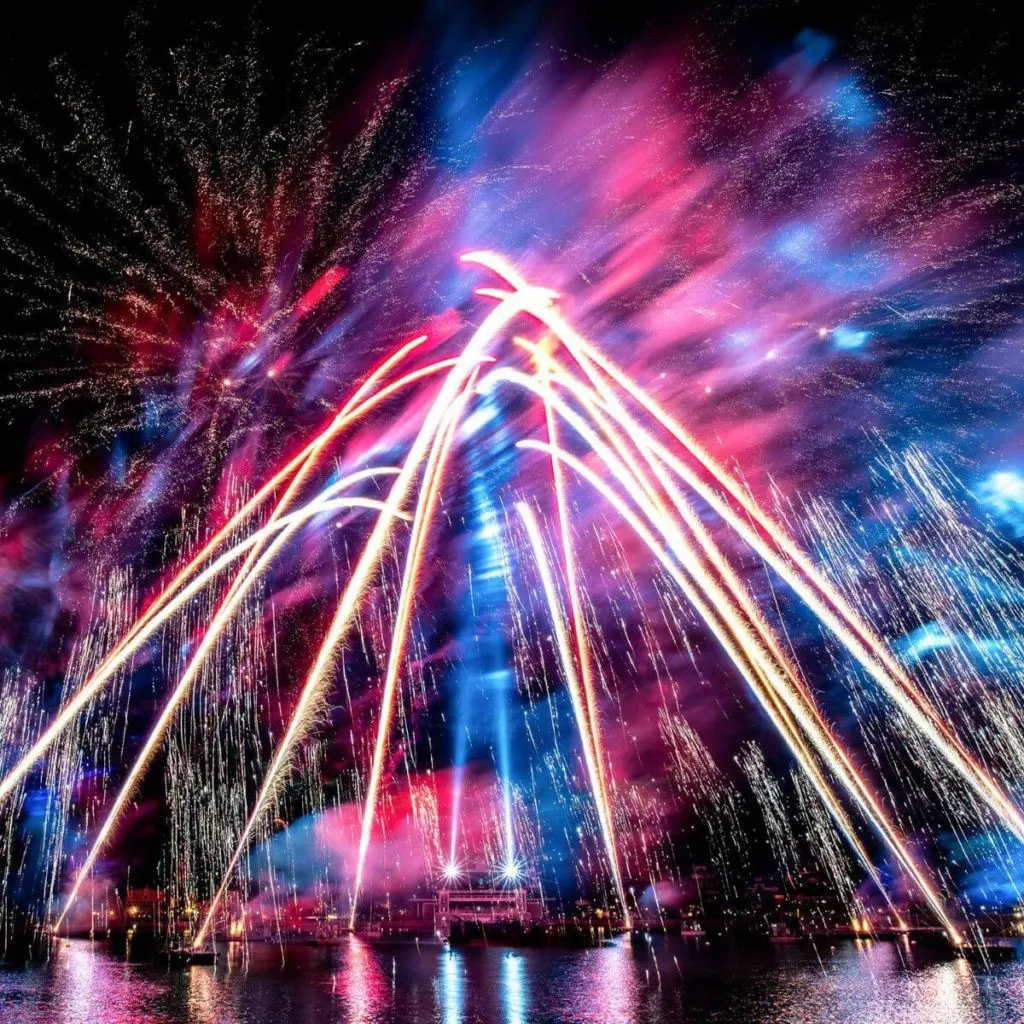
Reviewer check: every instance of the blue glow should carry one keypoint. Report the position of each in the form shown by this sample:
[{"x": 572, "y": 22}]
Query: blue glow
[
  {"x": 992, "y": 879},
  {"x": 851, "y": 105},
  {"x": 511, "y": 871},
  {"x": 1002, "y": 495},
  {"x": 119, "y": 461},
  {"x": 849, "y": 337},
  {"x": 853, "y": 269},
  {"x": 797, "y": 242},
  {"x": 743, "y": 336},
  {"x": 249, "y": 361},
  {"x": 479, "y": 419},
  {"x": 812, "y": 50},
  {"x": 484, "y": 678},
  {"x": 150, "y": 417},
  {"x": 815, "y": 47},
  {"x": 930, "y": 637}
]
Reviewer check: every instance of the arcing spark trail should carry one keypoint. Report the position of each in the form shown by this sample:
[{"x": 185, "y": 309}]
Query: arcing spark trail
[
  {"x": 513, "y": 603},
  {"x": 640, "y": 477}
]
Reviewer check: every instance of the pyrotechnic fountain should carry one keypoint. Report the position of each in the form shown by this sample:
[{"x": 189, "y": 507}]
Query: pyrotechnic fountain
[
  {"x": 522, "y": 471},
  {"x": 641, "y": 478}
]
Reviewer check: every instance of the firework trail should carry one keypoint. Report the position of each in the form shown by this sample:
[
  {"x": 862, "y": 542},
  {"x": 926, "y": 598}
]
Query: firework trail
[
  {"x": 724, "y": 618},
  {"x": 629, "y": 536}
]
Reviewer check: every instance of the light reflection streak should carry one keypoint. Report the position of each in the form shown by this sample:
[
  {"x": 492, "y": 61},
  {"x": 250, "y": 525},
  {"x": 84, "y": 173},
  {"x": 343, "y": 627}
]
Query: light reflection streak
[
  {"x": 513, "y": 989},
  {"x": 364, "y": 984},
  {"x": 452, "y": 987}
]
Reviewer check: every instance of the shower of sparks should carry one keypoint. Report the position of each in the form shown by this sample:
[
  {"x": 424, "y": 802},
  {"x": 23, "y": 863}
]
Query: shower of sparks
[
  {"x": 635, "y": 475},
  {"x": 502, "y": 467}
]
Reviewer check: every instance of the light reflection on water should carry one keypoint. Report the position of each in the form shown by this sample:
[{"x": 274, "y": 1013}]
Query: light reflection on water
[
  {"x": 647, "y": 981},
  {"x": 451, "y": 987},
  {"x": 513, "y": 988}
]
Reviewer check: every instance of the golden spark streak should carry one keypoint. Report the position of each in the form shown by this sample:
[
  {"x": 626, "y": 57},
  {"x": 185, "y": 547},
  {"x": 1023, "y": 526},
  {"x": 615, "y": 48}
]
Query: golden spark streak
[
  {"x": 732, "y": 634},
  {"x": 850, "y": 629},
  {"x": 432, "y": 476},
  {"x": 251, "y": 572},
  {"x": 173, "y": 598},
  {"x": 315, "y": 681}
]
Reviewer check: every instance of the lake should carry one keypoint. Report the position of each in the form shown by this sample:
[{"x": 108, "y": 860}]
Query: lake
[{"x": 633, "y": 980}]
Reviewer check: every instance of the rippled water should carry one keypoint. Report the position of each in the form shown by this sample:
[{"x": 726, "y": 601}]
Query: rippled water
[{"x": 643, "y": 981}]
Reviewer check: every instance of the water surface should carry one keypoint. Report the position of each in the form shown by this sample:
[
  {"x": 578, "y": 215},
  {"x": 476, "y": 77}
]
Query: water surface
[{"x": 639, "y": 980}]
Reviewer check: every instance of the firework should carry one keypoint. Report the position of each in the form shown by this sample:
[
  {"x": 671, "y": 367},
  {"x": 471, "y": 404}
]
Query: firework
[{"x": 562, "y": 444}]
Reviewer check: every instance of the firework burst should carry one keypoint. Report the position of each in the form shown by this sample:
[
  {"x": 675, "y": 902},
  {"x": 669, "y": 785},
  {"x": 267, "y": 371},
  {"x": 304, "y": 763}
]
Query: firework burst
[{"x": 518, "y": 560}]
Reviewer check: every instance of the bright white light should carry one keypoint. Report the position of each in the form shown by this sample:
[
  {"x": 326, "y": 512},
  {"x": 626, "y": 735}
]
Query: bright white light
[
  {"x": 451, "y": 871},
  {"x": 1002, "y": 494},
  {"x": 511, "y": 871}
]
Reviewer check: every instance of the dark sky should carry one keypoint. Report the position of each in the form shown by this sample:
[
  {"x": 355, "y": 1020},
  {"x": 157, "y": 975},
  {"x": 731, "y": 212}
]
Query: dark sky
[{"x": 973, "y": 38}]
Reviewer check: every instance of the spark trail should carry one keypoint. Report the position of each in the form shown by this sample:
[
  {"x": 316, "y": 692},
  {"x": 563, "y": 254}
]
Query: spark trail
[{"x": 643, "y": 479}]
